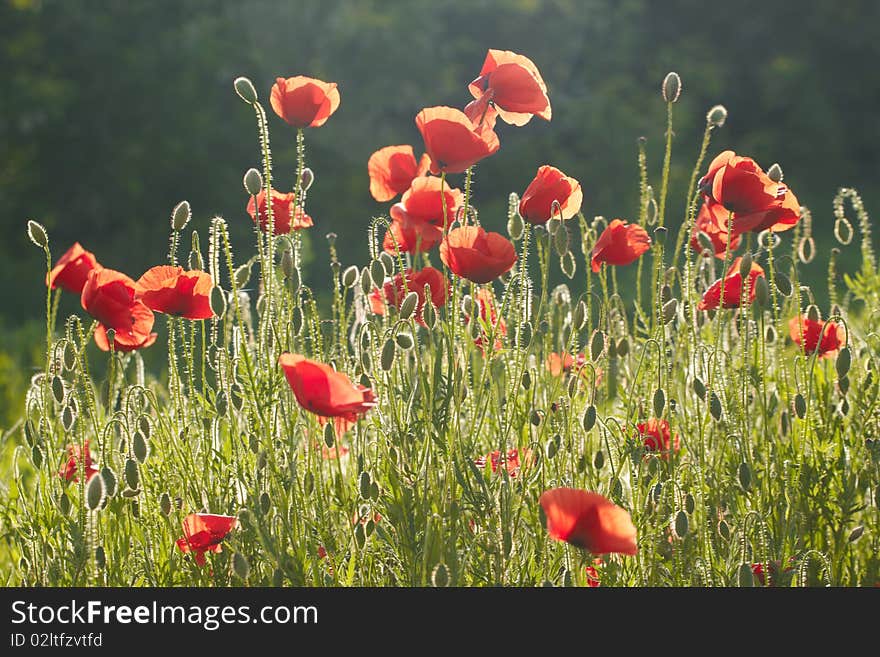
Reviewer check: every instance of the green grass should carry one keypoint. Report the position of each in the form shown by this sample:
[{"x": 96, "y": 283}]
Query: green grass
[{"x": 779, "y": 458}]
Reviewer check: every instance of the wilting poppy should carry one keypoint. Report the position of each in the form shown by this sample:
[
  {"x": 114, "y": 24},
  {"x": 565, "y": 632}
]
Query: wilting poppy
[
  {"x": 284, "y": 214},
  {"x": 485, "y": 300},
  {"x": 72, "y": 269},
  {"x": 175, "y": 291},
  {"x": 452, "y": 141},
  {"x": 712, "y": 220},
  {"x": 589, "y": 521},
  {"x": 732, "y": 288},
  {"x": 619, "y": 244},
  {"x": 393, "y": 291},
  {"x": 392, "y": 170},
  {"x": 512, "y": 83},
  {"x": 68, "y": 472},
  {"x": 513, "y": 461},
  {"x": 757, "y": 202},
  {"x": 537, "y": 203},
  {"x": 304, "y": 102},
  {"x": 320, "y": 389},
  {"x": 814, "y": 340},
  {"x": 203, "y": 532},
  {"x": 472, "y": 253},
  {"x": 109, "y": 297},
  {"x": 657, "y": 437}
]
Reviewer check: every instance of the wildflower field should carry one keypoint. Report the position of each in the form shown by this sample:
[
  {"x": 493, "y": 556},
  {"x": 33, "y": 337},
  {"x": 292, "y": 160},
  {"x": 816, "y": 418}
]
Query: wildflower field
[{"x": 449, "y": 417}]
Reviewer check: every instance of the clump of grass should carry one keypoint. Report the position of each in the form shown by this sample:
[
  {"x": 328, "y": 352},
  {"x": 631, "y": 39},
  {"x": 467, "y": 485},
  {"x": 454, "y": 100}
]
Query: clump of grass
[{"x": 776, "y": 480}]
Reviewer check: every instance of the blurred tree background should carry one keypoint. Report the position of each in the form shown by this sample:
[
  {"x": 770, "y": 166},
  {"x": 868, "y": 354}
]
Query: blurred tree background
[{"x": 112, "y": 112}]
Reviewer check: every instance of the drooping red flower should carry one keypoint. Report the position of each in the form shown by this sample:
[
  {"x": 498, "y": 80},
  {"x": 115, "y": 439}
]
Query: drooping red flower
[
  {"x": 712, "y": 220},
  {"x": 757, "y": 202},
  {"x": 619, "y": 244},
  {"x": 589, "y": 521},
  {"x": 482, "y": 114},
  {"x": 512, "y": 83},
  {"x": 732, "y": 288},
  {"x": 513, "y": 461},
  {"x": 203, "y": 532},
  {"x": 285, "y": 214},
  {"x": 320, "y": 389},
  {"x": 549, "y": 185},
  {"x": 472, "y": 253},
  {"x": 485, "y": 300},
  {"x": 304, "y": 102},
  {"x": 110, "y": 297},
  {"x": 68, "y": 472},
  {"x": 394, "y": 292},
  {"x": 452, "y": 141},
  {"x": 418, "y": 220},
  {"x": 826, "y": 340},
  {"x": 392, "y": 169},
  {"x": 657, "y": 437},
  {"x": 72, "y": 269},
  {"x": 175, "y": 291}
]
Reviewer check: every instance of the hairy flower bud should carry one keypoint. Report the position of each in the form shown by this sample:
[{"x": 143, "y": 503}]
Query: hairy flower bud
[
  {"x": 671, "y": 88},
  {"x": 245, "y": 90}
]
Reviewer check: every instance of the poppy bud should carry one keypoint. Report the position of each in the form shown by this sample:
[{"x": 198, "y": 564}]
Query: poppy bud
[
  {"x": 95, "y": 492},
  {"x": 589, "y": 419},
  {"x": 515, "y": 226},
  {"x": 218, "y": 301},
  {"x": 165, "y": 504},
  {"x": 58, "y": 389},
  {"x": 597, "y": 344},
  {"x": 579, "y": 315},
  {"x": 468, "y": 305},
  {"x": 132, "y": 477},
  {"x": 553, "y": 224},
  {"x": 744, "y": 576},
  {"x": 180, "y": 215},
  {"x": 408, "y": 305},
  {"x": 243, "y": 275},
  {"x": 659, "y": 401},
  {"x": 287, "y": 267},
  {"x": 535, "y": 417},
  {"x": 111, "y": 337},
  {"x": 560, "y": 239},
  {"x": 440, "y": 576},
  {"x": 349, "y": 276},
  {"x": 245, "y": 90},
  {"x": 800, "y": 406},
  {"x": 404, "y": 340},
  {"x": 660, "y": 235},
  {"x": 699, "y": 387},
  {"x": 715, "y": 407},
  {"x": 717, "y": 116},
  {"x": 195, "y": 261},
  {"x": 542, "y": 237},
  {"x": 671, "y": 87},
  {"x": 109, "y": 478},
  {"x": 306, "y": 180},
  {"x": 762, "y": 292},
  {"x": 253, "y": 182},
  {"x": 329, "y": 435},
  {"x": 680, "y": 526},
  {"x": 567, "y": 264},
  {"x": 744, "y": 474},
  {"x": 429, "y": 315},
  {"x": 783, "y": 284},
  {"x": 774, "y": 173},
  {"x": 377, "y": 272},
  {"x": 366, "y": 281},
  {"x": 856, "y": 533},
  {"x": 240, "y": 565},
  {"x": 844, "y": 360},
  {"x": 524, "y": 335},
  {"x": 669, "y": 310},
  {"x": 387, "y": 357},
  {"x": 37, "y": 234},
  {"x": 139, "y": 447}
]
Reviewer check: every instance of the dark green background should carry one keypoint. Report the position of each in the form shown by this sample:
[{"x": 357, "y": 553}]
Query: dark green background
[{"x": 111, "y": 112}]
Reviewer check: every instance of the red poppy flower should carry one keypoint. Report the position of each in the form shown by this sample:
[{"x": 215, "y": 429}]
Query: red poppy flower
[
  {"x": 418, "y": 220},
  {"x": 109, "y": 297},
  {"x": 712, "y": 220},
  {"x": 558, "y": 364},
  {"x": 485, "y": 300},
  {"x": 329, "y": 394},
  {"x": 513, "y": 461},
  {"x": 286, "y": 216},
  {"x": 482, "y": 114},
  {"x": 826, "y": 344},
  {"x": 592, "y": 576},
  {"x": 393, "y": 292},
  {"x": 589, "y": 521},
  {"x": 757, "y": 202},
  {"x": 452, "y": 141},
  {"x": 175, "y": 291},
  {"x": 364, "y": 518},
  {"x": 620, "y": 244},
  {"x": 776, "y": 578},
  {"x": 549, "y": 185},
  {"x": 72, "y": 269},
  {"x": 304, "y": 102},
  {"x": 732, "y": 288},
  {"x": 657, "y": 437},
  {"x": 392, "y": 169},
  {"x": 411, "y": 236},
  {"x": 68, "y": 472},
  {"x": 472, "y": 253},
  {"x": 203, "y": 532},
  {"x": 514, "y": 85}
]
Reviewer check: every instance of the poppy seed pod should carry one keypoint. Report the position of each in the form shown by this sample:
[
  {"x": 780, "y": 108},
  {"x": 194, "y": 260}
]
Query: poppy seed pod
[
  {"x": 37, "y": 234},
  {"x": 245, "y": 90},
  {"x": 671, "y": 88},
  {"x": 717, "y": 116},
  {"x": 253, "y": 182},
  {"x": 180, "y": 215}
]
